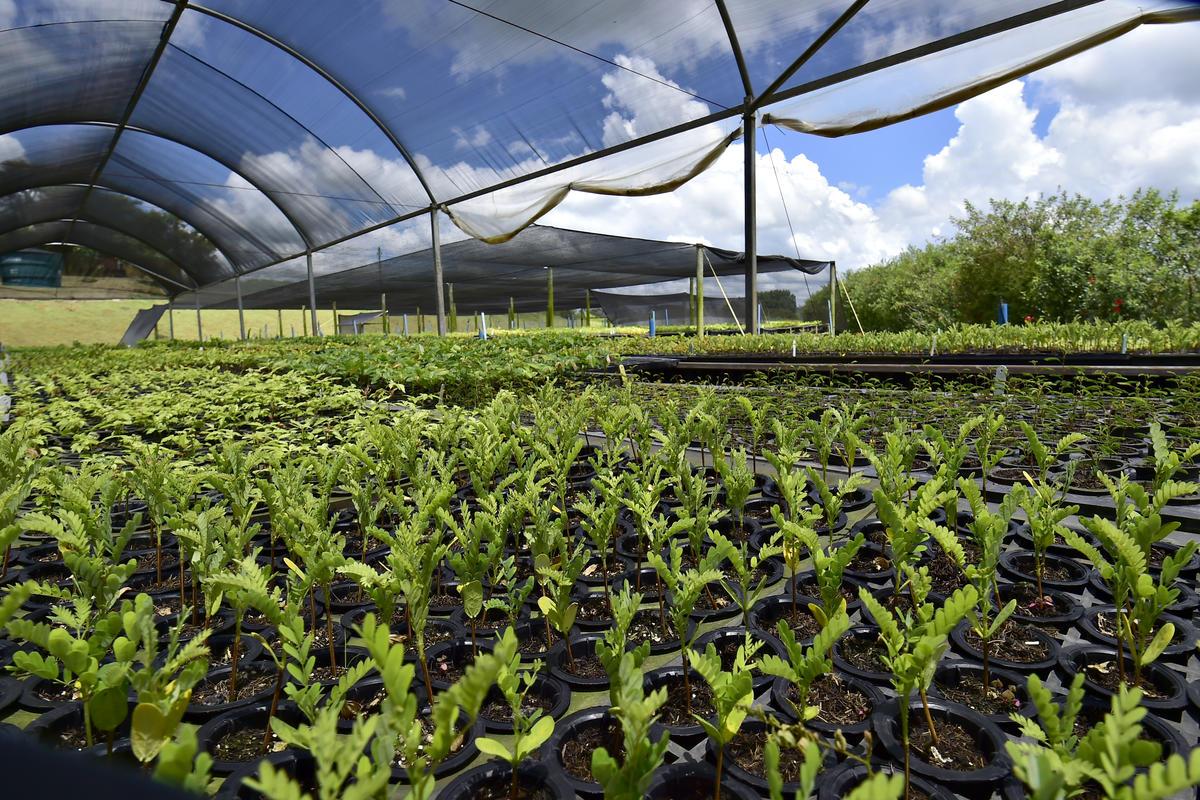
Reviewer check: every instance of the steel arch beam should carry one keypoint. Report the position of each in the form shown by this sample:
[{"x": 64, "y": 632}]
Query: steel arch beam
[
  {"x": 68, "y": 235},
  {"x": 52, "y": 218},
  {"x": 360, "y": 104}
]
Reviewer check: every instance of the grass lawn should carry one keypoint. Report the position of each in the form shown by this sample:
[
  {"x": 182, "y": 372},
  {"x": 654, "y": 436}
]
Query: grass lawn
[{"x": 31, "y": 323}]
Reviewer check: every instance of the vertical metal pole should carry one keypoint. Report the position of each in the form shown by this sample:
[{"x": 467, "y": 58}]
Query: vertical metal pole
[
  {"x": 303, "y": 321},
  {"x": 437, "y": 273},
  {"x": 751, "y": 237},
  {"x": 453, "y": 309},
  {"x": 405, "y": 322},
  {"x": 587, "y": 308},
  {"x": 382, "y": 292},
  {"x": 237, "y": 285},
  {"x": 199, "y": 324},
  {"x": 335, "y": 319},
  {"x": 171, "y": 318},
  {"x": 279, "y": 311},
  {"x": 833, "y": 297},
  {"x": 549, "y": 297},
  {"x": 699, "y": 291},
  {"x": 312, "y": 293}
]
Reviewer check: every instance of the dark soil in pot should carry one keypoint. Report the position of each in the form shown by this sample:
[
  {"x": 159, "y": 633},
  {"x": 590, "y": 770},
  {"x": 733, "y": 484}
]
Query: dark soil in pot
[
  {"x": 968, "y": 755},
  {"x": 805, "y": 583},
  {"x": 299, "y": 764},
  {"x": 745, "y": 759},
  {"x": 493, "y": 781},
  {"x": 594, "y": 613},
  {"x": 845, "y": 703},
  {"x": 768, "y": 612},
  {"x": 714, "y": 604},
  {"x": 675, "y": 715},
  {"x": 1054, "y": 609},
  {"x": 1099, "y": 624},
  {"x": 1060, "y": 573},
  {"x": 1163, "y": 689},
  {"x": 547, "y": 695},
  {"x": 594, "y": 574},
  {"x": 962, "y": 682},
  {"x": 40, "y": 695},
  {"x": 644, "y": 580},
  {"x": 1024, "y": 648},
  {"x": 694, "y": 781},
  {"x": 63, "y": 727},
  {"x": 574, "y": 740},
  {"x": 210, "y": 697},
  {"x": 870, "y": 565},
  {"x": 436, "y": 630},
  {"x": 448, "y": 660},
  {"x": 728, "y": 640},
  {"x": 583, "y": 672},
  {"x": 647, "y": 627},
  {"x": 239, "y": 737},
  {"x": 858, "y": 654}
]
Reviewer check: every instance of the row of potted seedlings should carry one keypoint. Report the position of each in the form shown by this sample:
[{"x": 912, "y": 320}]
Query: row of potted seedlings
[{"x": 551, "y": 569}]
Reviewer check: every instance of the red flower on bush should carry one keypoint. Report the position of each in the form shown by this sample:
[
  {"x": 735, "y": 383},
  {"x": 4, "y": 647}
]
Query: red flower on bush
[{"x": 1118, "y": 304}]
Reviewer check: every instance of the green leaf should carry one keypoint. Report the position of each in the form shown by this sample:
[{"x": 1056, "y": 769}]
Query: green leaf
[
  {"x": 1160, "y": 642},
  {"x": 109, "y": 707},
  {"x": 491, "y": 747},
  {"x": 151, "y": 730},
  {"x": 472, "y": 595}
]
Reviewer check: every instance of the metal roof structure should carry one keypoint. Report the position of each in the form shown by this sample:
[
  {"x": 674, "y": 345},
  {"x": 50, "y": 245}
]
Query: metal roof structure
[{"x": 234, "y": 138}]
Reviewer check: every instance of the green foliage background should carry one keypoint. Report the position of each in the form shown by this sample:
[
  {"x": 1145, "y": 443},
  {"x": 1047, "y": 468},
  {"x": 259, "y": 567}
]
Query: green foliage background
[{"x": 1056, "y": 259}]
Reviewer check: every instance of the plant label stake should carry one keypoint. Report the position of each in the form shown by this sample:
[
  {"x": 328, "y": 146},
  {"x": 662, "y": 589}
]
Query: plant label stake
[
  {"x": 793, "y": 348},
  {"x": 1000, "y": 382},
  {"x": 483, "y": 334},
  {"x": 1124, "y": 343}
]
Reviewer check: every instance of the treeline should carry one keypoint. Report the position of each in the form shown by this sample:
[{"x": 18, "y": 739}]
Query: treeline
[{"x": 1056, "y": 259}]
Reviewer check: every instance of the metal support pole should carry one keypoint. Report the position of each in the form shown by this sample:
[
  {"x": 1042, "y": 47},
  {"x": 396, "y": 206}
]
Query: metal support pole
[
  {"x": 437, "y": 273},
  {"x": 404, "y": 321},
  {"x": 237, "y": 285},
  {"x": 171, "y": 318},
  {"x": 335, "y": 319},
  {"x": 833, "y": 297},
  {"x": 549, "y": 297},
  {"x": 453, "y": 309},
  {"x": 699, "y": 291},
  {"x": 751, "y": 236},
  {"x": 279, "y": 311},
  {"x": 199, "y": 324},
  {"x": 312, "y": 293},
  {"x": 303, "y": 321},
  {"x": 587, "y": 308}
]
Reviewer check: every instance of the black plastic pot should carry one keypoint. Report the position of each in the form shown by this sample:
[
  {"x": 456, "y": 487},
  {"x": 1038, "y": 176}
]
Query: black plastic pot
[
  {"x": 299, "y": 764},
  {"x": 844, "y": 778},
  {"x": 457, "y": 651},
  {"x": 949, "y": 673},
  {"x": 1018, "y": 567},
  {"x": 875, "y": 555},
  {"x": 735, "y": 771},
  {"x": 49, "y": 727},
  {"x": 1065, "y": 613},
  {"x": 592, "y": 601},
  {"x": 554, "y": 694},
  {"x": 704, "y": 612},
  {"x": 694, "y": 781},
  {"x": 1170, "y": 683},
  {"x": 766, "y": 614},
  {"x": 988, "y": 738},
  {"x": 870, "y": 633},
  {"x": 781, "y": 689},
  {"x": 1042, "y": 667},
  {"x": 1178, "y": 652},
  {"x": 641, "y": 579},
  {"x": 458, "y": 759},
  {"x": 200, "y": 712},
  {"x": 10, "y": 693},
  {"x": 246, "y": 718},
  {"x": 651, "y": 617},
  {"x": 687, "y": 734},
  {"x": 593, "y": 573},
  {"x": 568, "y": 729},
  {"x": 31, "y": 698},
  {"x": 806, "y": 583},
  {"x": 531, "y": 774},
  {"x": 733, "y": 638},
  {"x": 583, "y": 646}
]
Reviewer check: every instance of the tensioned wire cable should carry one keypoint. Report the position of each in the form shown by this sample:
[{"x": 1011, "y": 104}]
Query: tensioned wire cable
[{"x": 783, "y": 200}]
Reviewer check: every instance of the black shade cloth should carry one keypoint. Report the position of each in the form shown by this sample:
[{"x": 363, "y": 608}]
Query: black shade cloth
[
  {"x": 485, "y": 276},
  {"x": 669, "y": 309}
]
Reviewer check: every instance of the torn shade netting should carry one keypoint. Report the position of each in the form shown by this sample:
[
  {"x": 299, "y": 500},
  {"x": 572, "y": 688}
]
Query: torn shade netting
[
  {"x": 484, "y": 278},
  {"x": 276, "y": 127}
]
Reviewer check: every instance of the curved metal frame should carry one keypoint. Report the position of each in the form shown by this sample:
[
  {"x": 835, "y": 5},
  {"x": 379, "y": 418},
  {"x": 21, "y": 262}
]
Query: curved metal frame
[
  {"x": 360, "y": 104},
  {"x": 122, "y": 230},
  {"x": 166, "y": 138},
  {"x": 69, "y": 234}
]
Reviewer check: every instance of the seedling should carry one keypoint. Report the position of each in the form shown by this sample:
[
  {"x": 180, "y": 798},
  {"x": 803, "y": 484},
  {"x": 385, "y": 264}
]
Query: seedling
[
  {"x": 733, "y": 694},
  {"x": 530, "y": 730}
]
